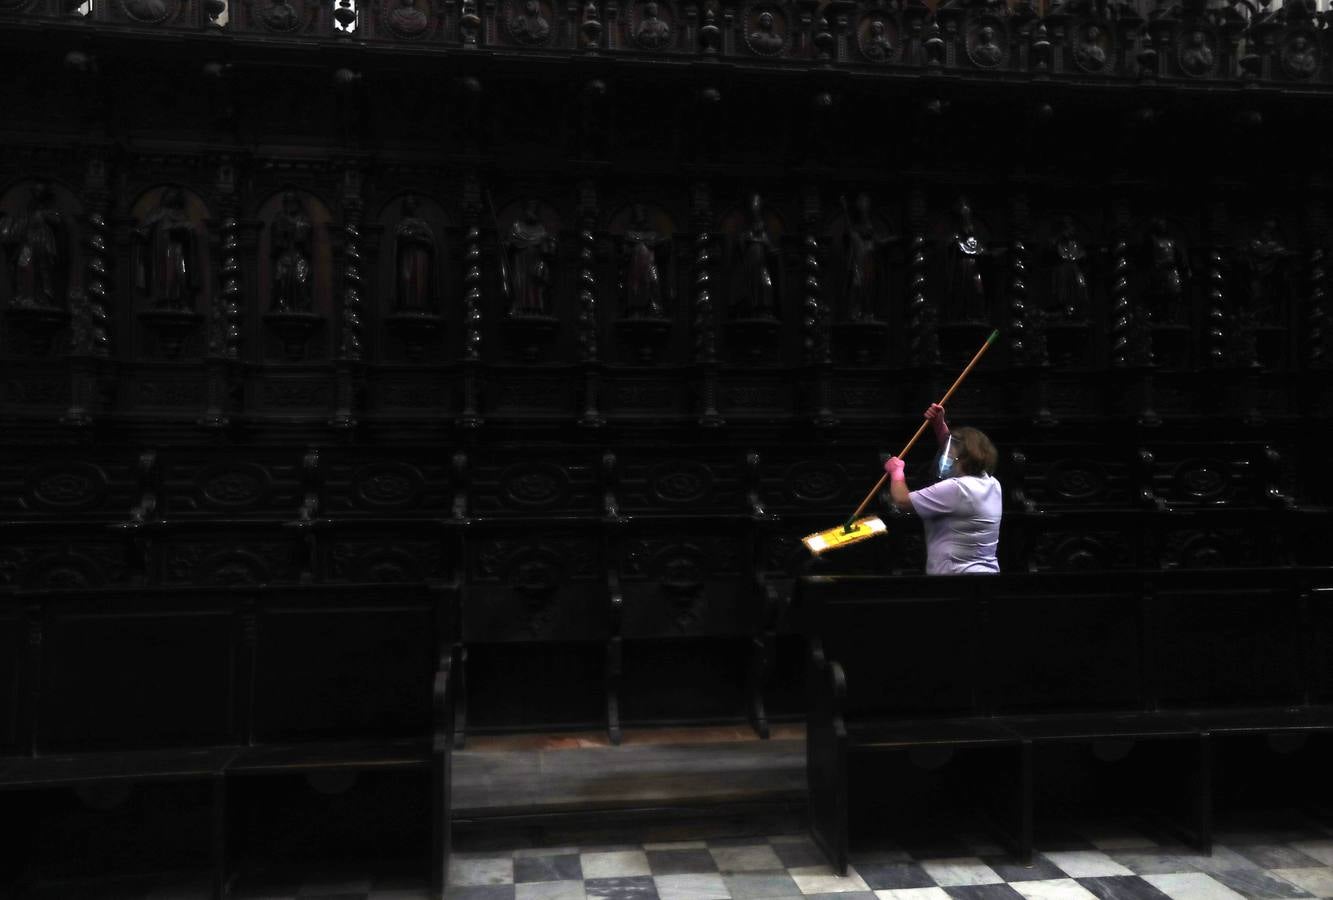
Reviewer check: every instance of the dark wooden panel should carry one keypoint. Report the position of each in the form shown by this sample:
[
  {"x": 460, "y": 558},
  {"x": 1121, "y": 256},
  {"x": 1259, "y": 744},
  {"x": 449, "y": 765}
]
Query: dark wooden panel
[
  {"x": 1227, "y": 645},
  {"x": 121, "y": 674},
  {"x": 1064, "y": 650},
  {"x": 924, "y": 657},
  {"x": 13, "y": 660},
  {"x": 361, "y": 666},
  {"x": 535, "y": 686}
]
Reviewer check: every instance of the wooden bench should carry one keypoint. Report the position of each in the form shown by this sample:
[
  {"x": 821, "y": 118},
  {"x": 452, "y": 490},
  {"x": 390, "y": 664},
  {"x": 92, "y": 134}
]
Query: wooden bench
[
  {"x": 1017, "y": 666},
  {"x": 213, "y": 688}
]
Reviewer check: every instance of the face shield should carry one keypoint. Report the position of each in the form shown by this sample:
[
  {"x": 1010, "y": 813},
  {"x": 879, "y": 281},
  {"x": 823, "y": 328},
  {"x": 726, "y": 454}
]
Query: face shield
[{"x": 946, "y": 461}]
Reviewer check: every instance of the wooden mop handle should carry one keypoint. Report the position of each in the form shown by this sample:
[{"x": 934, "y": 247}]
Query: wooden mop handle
[{"x": 879, "y": 485}]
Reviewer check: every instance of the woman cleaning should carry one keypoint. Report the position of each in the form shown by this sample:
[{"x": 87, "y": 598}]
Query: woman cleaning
[{"x": 961, "y": 511}]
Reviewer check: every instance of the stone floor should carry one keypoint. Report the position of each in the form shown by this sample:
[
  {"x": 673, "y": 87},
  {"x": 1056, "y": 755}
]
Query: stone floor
[{"x": 609, "y": 856}]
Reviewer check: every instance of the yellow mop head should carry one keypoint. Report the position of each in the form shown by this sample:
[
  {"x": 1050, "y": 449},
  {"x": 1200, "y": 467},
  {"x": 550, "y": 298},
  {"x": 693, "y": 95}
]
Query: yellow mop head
[{"x": 843, "y": 535}]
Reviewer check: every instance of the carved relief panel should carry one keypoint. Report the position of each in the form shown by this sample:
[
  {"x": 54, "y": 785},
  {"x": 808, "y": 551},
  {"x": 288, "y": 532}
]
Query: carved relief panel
[
  {"x": 765, "y": 29},
  {"x": 879, "y": 38},
  {"x": 167, "y": 13},
  {"x": 281, "y": 17},
  {"x": 652, "y": 25},
  {"x": 408, "y": 20}
]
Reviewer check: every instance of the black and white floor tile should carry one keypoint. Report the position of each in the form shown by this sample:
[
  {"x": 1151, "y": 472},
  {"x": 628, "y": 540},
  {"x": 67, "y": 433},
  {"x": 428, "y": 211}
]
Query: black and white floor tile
[{"x": 1091, "y": 862}]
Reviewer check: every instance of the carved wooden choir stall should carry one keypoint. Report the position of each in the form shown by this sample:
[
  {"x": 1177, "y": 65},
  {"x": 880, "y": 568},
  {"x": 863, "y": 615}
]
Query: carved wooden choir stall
[{"x": 378, "y": 373}]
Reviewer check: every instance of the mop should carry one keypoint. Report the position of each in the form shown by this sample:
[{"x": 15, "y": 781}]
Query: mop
[{"x": 855, "y": 530}]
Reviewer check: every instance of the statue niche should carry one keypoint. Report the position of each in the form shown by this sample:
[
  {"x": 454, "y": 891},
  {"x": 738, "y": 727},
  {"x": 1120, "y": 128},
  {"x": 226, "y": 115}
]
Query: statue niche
[
  {"x": 647, "y": 278},
  {"x": 861, "y": 328},
  {"x": 527, "y": 263},
  {"x": 35, "y": 242},
  {"x": 1168, "y": 269},
  {"x": 965, "y": 283},
  {"x": 756, "y": 281},
  {"x": 529, "y": 252},
  {"x": 1069, "y": 280},
  {"x": 35, "y": 237},
  {"x": 1264, "y": 259},
  {"x": 298, "y": 265},
  {"x": 757, "y": 285},
  {"x": 863, "y": 274},
  {"x": 168, "y": 274},
  {"x": 289, "y": 252},
  {"x": 166, "y": 254},
  {"x": 414, "y": 267}
]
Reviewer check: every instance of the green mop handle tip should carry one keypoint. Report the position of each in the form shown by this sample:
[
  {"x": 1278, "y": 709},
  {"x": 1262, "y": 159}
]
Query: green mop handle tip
[{"x": 993, "y": 335}]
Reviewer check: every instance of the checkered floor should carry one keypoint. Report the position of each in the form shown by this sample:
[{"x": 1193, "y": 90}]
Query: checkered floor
[
  {"x": 1286, "y": 857},
  {"x": 1106, "y": 863}
]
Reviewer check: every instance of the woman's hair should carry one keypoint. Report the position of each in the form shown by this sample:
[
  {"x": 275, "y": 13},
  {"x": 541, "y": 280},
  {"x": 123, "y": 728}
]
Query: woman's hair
[{"x": 977, "y": 455}]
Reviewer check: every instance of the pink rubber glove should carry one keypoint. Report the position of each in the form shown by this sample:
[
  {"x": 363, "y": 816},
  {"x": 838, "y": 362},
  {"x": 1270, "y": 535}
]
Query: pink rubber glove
[
  {"x": 935, "y": 416},
  {"x": 894, "y": 466}
]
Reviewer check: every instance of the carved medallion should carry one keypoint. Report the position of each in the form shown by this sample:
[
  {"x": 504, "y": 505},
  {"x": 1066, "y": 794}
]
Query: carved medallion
[
  {"x": 812, "y": 482},
  {"x": 533, "y": 485},
  {"x": 1091, "y": 48},
  {"x": 1200, "y": 550},
  {"x": 66, "y": 486},
  {"x": 279, "y": 15},
  {"x": 986, "y": 44},
  {"x": 232, "y": 568},
  {"x": 1196, "y": 51},
  {"x": 650, "y": 26},
  {"x": 1202, "y": 479},
  {"x": 1300, "y": 56},
  {"x": 680, "y": 570},
  {"x": 529, "y": 22},
  {"x": 387, "y": 567},
  {"x": 64, "y": 572},
  {"x": 680, "y": 482},
  {"x": 149, "y": 12},
  {"x": 406, "y": 18},
  {"x": 1075, "y": 479},
  {"x": 877, "y": 38},
  {"x": 765, "y": 30},
  {"x": 387, "y": 485},
  {"x": 232, "y": 486}
]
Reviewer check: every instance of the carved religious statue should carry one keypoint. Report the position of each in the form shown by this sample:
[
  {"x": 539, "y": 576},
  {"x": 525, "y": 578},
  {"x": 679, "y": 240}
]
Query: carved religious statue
[
  {"x": 1196, "y": 57},
  {"x": 530, "y": 26},
  {"x": 290, "y": 253},
  {"x": 765, "y": 38},
  {"x": 1168, "y": 269},
  {"x": 760, "y": 268},
  {"x": 281, "y": 16},
  {"x": 414, "y": 259},
  {"x": 407, "y": 20},
  {"x": 34, "y": 242},
  {"x": 1069, "y": 281},
  {"x": 863, "y": 242},
  {"x": 652, "y": 33},
  {"x": 967, "y": 290},
  {"x": 530, "y": 250},
  {"x": 647, "y": 261},
  {"x": 1264, "y": 256},
  {"x": 877, "y": 46},
  {"x": 165, "y": 259}
]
